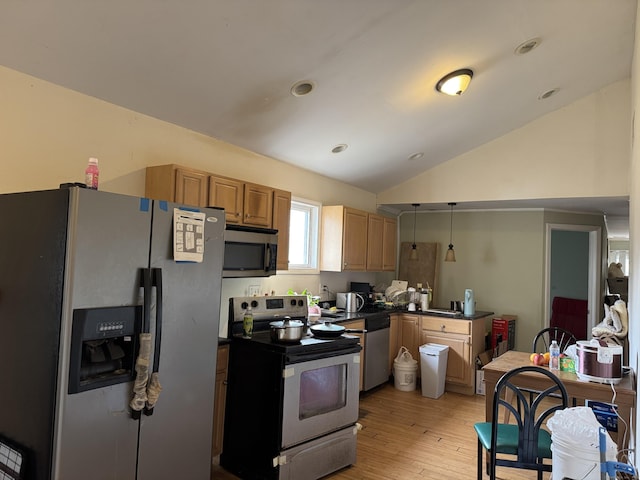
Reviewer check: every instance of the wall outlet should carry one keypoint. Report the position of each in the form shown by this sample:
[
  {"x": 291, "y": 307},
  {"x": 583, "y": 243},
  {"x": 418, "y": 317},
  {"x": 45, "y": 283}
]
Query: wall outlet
[{"x": 254, "y": 290}]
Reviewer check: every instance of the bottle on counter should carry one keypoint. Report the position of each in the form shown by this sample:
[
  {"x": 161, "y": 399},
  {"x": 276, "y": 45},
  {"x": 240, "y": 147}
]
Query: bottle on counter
[
  {"x": 247, "y": 323},
  {"x": 91, "y": 174},
  {"x": 554, "y": 356}
]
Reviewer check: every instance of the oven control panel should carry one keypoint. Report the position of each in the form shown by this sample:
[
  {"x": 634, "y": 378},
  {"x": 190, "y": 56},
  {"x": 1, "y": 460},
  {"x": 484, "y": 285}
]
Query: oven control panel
[{"x": 269, "y": 306}]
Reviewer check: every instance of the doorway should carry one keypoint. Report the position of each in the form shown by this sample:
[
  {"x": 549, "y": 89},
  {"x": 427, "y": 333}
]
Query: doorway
[{"x": 590, "y": 266}]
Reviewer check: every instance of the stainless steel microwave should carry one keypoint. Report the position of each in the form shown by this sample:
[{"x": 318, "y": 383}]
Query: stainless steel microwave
[{"x": 249, "y": 251}]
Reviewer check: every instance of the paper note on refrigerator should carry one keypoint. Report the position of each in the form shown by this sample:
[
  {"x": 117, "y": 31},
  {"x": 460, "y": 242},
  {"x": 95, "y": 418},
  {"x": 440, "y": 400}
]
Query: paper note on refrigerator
[{"x": 188, "y": 235}]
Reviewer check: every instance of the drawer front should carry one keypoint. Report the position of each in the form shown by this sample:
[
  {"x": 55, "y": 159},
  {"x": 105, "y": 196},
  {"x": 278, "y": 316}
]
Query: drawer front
[{"x": 447, "y": 325}]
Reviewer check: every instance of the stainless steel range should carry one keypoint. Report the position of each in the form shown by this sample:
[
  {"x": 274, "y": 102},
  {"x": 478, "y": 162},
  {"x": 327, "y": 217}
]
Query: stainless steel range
[{"x": 291, "y": 408}]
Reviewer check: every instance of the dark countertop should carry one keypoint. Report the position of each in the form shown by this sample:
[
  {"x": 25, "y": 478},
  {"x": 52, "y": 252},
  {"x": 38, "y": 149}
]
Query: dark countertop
[{"x": 344, "y": 317}]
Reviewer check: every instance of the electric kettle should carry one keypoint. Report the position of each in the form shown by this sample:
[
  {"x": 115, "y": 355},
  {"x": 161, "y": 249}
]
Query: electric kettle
[
  {"x": 350, "y": 301},
  {"x": 469, "y": 303}
]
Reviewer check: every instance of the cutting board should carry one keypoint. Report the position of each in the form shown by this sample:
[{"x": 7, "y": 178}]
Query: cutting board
[{"x": 423, "y": 270}]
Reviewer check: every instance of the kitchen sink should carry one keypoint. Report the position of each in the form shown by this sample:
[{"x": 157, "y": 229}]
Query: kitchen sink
[{"x": 444, "y": 311}]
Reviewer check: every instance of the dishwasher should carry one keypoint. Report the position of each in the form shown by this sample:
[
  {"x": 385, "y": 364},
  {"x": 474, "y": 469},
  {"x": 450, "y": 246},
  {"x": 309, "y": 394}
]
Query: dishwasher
[{"x": 376, "y": 350}]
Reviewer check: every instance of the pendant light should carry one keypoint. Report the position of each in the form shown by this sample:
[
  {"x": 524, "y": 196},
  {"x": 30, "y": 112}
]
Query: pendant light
[
  {"x": 414, "y": 252},
  {"x": 451, "y": 254}
]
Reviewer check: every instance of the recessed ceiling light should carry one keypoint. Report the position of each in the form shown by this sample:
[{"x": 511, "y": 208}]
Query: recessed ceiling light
[
  {"x": 548, "y": 93},
  {"x": 300, "y": 89},
  {"x": 416, "y": 156},
  {"x": 339, "y": 148},
  {"x": 527, "y": 46}
]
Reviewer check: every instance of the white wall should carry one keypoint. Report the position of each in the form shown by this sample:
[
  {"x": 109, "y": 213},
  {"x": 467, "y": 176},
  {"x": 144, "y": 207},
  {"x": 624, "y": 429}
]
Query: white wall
[
  {"x": 634, "y": 224},
  {"x": 581, "y": 150}
]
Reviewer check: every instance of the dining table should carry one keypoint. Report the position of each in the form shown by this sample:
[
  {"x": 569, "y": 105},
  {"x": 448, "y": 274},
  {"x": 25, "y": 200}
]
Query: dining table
[{"x": 622, "y": 394}]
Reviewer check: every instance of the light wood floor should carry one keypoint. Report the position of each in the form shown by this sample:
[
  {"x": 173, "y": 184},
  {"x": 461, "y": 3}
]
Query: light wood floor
[{"x": 406, "y": 436}]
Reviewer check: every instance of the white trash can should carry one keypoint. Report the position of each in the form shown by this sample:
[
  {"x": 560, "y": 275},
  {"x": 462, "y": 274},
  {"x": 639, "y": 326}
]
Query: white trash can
[{"x": 433, "y": 368}]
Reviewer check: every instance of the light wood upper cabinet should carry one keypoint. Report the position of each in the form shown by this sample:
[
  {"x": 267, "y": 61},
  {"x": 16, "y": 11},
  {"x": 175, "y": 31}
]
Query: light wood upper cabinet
[
  {"x": 353, "y": 240},
  {"x": 281, "y": 214},
  {"x": 344, "y": 239},
  {"x": 244, "y": 203},
  {"x": 177, "y": 184},
  {"x": 381, "y": 243},
  {"x": 375, "y": 242},
  {"x": 389, "y": 244},
  {"x": 227, "y": 193},
  {"x": 258, "y": 205}
]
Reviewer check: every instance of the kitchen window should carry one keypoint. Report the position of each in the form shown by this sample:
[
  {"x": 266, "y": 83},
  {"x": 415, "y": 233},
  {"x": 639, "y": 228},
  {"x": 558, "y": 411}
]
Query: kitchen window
[{"x": 303, "y": 235}]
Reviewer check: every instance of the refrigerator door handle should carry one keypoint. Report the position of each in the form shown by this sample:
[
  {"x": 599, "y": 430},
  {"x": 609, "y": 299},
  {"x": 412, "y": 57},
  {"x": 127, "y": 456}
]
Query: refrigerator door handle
[
  {"x": 153, "y": 386},
  {"x": 147, "y": 284},
  {"x": 139, "y": 399}
]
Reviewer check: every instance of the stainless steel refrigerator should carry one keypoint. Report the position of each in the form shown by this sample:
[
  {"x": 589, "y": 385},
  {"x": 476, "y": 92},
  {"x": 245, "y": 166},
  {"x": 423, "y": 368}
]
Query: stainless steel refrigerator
[{"x": 84, "y": 276}]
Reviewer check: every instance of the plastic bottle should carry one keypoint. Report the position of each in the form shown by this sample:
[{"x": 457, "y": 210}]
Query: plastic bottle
[
  {"x": 91, "y": 174},
  {"x": 247, "y": 323},
  {"x": 554, "y": 356}
]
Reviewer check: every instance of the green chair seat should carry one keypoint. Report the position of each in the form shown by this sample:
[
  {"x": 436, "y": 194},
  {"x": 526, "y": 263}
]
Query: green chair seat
[{"x": 507, "y": 441}]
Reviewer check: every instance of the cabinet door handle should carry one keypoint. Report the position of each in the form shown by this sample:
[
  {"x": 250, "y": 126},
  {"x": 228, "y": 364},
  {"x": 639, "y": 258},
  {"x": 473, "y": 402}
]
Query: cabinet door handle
[{"x": 442, "y": 328}]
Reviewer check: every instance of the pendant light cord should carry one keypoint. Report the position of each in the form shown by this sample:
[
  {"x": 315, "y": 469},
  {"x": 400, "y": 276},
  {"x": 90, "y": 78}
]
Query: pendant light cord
[
  {"x": 415, "y": 206},
  {"x": 451, "y": 227}
]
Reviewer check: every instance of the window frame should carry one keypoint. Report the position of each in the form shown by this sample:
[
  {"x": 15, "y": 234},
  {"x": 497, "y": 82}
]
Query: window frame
[{"x": 313, "y": 210}]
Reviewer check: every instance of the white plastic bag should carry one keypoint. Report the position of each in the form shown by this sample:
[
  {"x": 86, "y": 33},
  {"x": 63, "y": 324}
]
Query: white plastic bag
[
  {"x": 404, "y": 356},
  {"x": 579, "y": 426}
]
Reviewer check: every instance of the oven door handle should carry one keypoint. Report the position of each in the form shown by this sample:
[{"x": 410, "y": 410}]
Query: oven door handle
[{"x": 307, "y": 357}]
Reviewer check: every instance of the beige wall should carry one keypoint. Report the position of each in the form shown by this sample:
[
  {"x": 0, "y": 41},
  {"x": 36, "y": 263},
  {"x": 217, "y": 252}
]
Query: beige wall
[
  {"x": 582, "y": 150},
  {"x": 499, "y": 254},
  {"x": 47, "y": 134}
]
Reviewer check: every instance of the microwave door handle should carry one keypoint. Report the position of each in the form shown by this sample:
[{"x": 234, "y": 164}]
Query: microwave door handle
[
  {"x": 267, "y": 258},
  {"x": 154, "y": 387}
]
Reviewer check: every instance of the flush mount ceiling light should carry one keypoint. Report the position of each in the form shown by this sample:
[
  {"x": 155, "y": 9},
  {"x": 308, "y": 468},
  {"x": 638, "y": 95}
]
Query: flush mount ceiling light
[
  {"x": 455, "y": 83},
  {"x": 414, "y": 252},
  {"x": 416, "y": 156},
  {"x": 300, "y": 89},
  {"x": 451, "y": 254}
]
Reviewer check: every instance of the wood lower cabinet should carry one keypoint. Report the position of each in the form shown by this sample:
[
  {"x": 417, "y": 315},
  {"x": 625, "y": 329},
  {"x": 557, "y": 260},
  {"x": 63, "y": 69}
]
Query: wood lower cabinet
[
  {"x": 409, "y": 335},
  {"x": 394, "y": 346},
  {"x": 220, "y": 401},
  {"x": 465, "y": 339},
  {"x": 177, "y": 184},
  {"x": 358, "y": 325}
]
